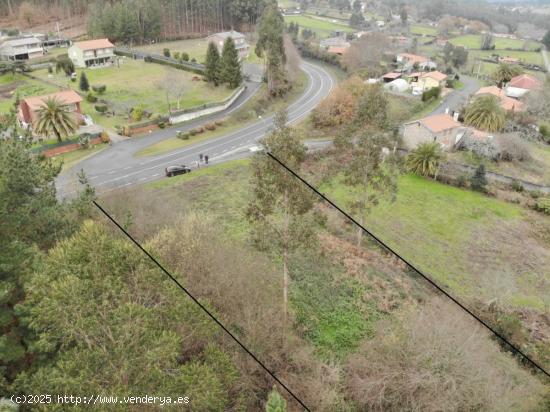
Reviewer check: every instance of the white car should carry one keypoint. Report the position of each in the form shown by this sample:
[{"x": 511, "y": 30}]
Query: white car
[{"x": 255, "y": 149}]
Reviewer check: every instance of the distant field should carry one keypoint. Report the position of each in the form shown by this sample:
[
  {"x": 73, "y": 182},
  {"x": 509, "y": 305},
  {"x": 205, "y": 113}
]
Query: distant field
[
  {"x": 420, "y": 29},
  {"x": 322, "y": 27},
  {"x": 473, "y": 41},
  {"x": 524, "y": 56}
]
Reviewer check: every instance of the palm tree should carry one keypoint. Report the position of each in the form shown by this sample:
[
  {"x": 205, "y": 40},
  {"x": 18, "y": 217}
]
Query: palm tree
[
  {"x": 54, "y": 118},
  {"x": 504, "y": 73},
  {"x": 485, "y": 113},
  {"x": 425, "y": 159}
]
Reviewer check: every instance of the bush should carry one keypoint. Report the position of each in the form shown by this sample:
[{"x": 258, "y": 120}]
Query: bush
[
  {"x": 185, "y": 56},
  {"x": 513, "y": 148},
  {"x": 433, "y": 93},
  {"x": 101, "y": 108},
  {"x": 176, "y": 55},
  {"x": 91, "y": 98},
  {"x": 517, "y": 186},
  {"x": 462, "y": 181},
  {"x": 99, "y": 88},
  {"x": 161, "y": 125},
  {"x": 210, "y": 126},
  {"x": 193, "y": 60},
  {"x": 199, "y": 129},
  {"x": 137, "y": 114},
  {"x": 478, "y": 181},
  {"x": 105, "y": 137},
  {"x": 219, "y": 122},
  {"x": 543, "y": 205},
  {"x": 50, "y": 69},
  {"x": 183, "y": 135},
  {"x": 166, "y": 52}
]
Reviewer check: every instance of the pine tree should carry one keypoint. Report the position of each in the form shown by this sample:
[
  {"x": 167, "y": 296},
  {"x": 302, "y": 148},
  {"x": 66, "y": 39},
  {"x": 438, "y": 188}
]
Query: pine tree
[
  {"x": 212, "y": 65},
  {"x": 230, "y": 65},
  {"x": 270, "y": 44},
  {"x": 275, "y": 402},
  {"x": 84, "y": 85}
]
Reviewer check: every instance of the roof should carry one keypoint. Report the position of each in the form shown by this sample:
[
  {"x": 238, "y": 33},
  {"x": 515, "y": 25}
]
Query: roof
[
  {"x": 225, "y": 34},
  {"x": 525, "y": 81},
  {"x": 94, "y": 44},
  {"x": 507, "y": 103},
  {"x": 437, "y": 76},
  {"x": 22, "y": 41},
  {"x": 494, "y": 90},
  {"x": 413, "y": 58},
  {"x": 337, "y": 49},
  {"x": 439, "y": 122},
  {"x": 65, "y": 97},
  {"x": 392, "y": 75}
]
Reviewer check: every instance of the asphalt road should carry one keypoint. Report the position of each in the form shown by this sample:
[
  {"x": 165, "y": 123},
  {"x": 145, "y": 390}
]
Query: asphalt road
[
  {"x": 458, "y": 98},
  {"x": 116, "y": 167}
]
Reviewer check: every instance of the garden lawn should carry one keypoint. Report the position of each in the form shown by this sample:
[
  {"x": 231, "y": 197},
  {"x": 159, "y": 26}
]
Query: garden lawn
[
  {"x": 196, "y": 48},
  {"x": 136, "y": 83},
  {"x": 473, "y": 245},
  {"x": 25, "y": 86},
  {"x": 322, "y": 27},
  {"x": 473, "y": 41}
]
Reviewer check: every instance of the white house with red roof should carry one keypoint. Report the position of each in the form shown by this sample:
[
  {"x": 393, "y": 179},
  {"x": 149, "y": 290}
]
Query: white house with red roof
[
  {"x": 507, "y": 103},
  {"x": 520, "y": 85},
  {"x": 92, "y": 53}
]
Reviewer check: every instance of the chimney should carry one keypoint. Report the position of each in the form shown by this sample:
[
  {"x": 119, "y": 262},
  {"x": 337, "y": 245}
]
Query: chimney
[{"x": 455, "y": 116}]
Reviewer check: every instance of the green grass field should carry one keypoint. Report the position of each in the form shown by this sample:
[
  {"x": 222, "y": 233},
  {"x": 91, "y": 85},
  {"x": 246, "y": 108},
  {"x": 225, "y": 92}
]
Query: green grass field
[
  {"x": 138, "y": 83},
  {"x": 423, "y": 30},
  {"x": 25, "y": 86},
  {"x": 196, "y": 48},
  {"x": 245, "y": 115},
  {"x": 524, "y": 56},
  {"x": 473, "y": 41},
  {"x": 322, "y": 27},
  {"x": 474, "y": 245}
]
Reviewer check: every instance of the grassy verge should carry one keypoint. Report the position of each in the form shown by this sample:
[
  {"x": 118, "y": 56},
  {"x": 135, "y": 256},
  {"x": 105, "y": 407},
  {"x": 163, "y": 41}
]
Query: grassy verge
[
  {"x": 72, "y": 158},
  {"x": 247, "y": 114},
  {"x": 423, "y": 30},
  {"x": 322, "y": 27}
]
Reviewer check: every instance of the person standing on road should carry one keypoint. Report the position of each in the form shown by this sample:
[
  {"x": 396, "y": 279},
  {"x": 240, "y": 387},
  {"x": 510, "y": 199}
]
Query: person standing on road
[
  {"x": 201, "y": 157},
  {"x": 206, "y": 159}
]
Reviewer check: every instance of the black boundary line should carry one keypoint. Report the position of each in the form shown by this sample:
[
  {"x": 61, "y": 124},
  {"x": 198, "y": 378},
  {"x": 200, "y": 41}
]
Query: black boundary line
[
  {"x": 221, "y": 325},
  {"x": 410, "y": 265}
]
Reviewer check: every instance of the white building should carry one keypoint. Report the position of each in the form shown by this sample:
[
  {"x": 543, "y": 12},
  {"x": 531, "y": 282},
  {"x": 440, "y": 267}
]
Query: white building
[{"x": 239, "y": 39}]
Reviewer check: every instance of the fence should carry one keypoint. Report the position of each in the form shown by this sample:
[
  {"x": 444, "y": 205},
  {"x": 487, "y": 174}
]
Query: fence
[{"x": 161, "y": 59}]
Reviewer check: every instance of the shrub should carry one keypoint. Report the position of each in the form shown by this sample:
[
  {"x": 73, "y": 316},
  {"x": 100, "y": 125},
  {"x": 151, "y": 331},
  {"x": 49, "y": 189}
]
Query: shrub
[
  {"x": 91, "y": 98},
  {"x": 148, "y": 59},
  {"x": 219, "y": 122},
  {"x": 176, "y": 55},
  {"x": 517, "y": 186},
  {"x": 162, "y": 125},
  {"x": 137, "y": 113},
  {"x": 513, "y": 148},
  {"x": 478, "y": 181},
  {"x": 193, "y": 60},
  {"x": 166, "y": 52},
  {"x": 199, "y": 129},
  {"x": 101, "y": 108},
  {"x": 183, "y": 135},
  {"x": 184, "y": 56},
  {"x": 462, "y": 180},
  {"x": 50, "y": 69},
  {"x": 543, "y": 205},
  {"x": 433, "y": 93},
  {"x": 99, "y": 88},
  {"x": 84, "y": 140},
  {"x": 105, "y": 137},
  {"x": 210, "y": 126}
]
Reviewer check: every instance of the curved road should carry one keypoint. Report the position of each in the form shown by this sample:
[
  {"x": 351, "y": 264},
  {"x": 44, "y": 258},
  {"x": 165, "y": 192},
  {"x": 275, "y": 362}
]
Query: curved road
[{"x": 116, "y": 167}]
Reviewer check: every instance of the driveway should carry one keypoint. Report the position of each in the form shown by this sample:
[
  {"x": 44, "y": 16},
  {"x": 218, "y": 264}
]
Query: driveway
[{"x": 458, "y": 98}]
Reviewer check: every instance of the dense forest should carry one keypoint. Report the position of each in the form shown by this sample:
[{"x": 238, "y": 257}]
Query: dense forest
[{"x": 143, "y": 20}]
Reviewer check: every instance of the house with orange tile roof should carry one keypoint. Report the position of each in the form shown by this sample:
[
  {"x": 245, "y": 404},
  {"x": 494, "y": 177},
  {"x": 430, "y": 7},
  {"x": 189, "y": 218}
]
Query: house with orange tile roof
[
  {"x": 428, "y": 80},
  {"x": 507, "y": 103},
  {"x": 29, "y": 107},
  {"x": 409, "y": 60},
  {"x": 92, "y": 53},
  {"x": 339, "y": 50},
  {"x": 441, "y": 128},
  {"x": 520, "y": 85}
]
